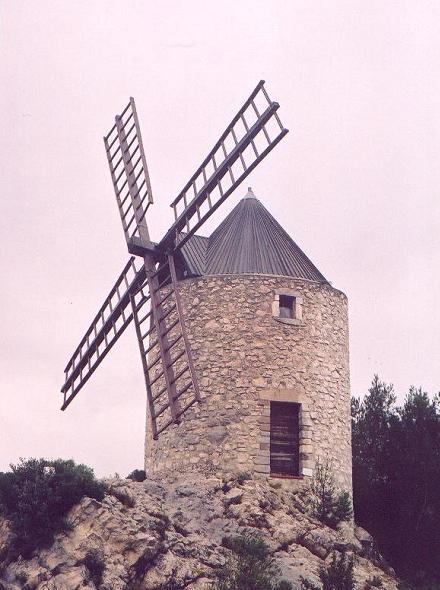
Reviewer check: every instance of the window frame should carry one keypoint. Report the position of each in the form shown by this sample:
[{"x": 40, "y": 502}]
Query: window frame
[
  {"x": 297, "y": 311},
  {"x": 287, "y": 302}
]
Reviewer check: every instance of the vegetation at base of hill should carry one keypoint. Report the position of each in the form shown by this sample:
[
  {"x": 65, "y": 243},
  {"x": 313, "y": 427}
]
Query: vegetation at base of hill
[
  {"x": 122, "y": 497},
  {"x": 374, "y": 582},
  {"x": 137, "y": 475},
  {"x": 338, "y": 575},
  {"x": 326, "y": 503},
  {"x": 396, "y": 479},
  {"x": 95, "y": 566},
  {"x": 250, "y": 566},
  {"x": 243, "y": 476},
  {"x": 36, "y": 495}
]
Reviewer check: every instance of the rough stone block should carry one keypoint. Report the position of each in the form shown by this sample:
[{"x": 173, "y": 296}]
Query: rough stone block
[
  {"x": 263, "y": 439},
  {"x": 262, "y": 469},
  {"x": 264, "y": 420},
  {"x": 262, "y": 460}
]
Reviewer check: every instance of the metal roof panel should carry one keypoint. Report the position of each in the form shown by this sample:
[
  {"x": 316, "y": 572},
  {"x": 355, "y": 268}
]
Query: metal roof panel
[{"x": 249, "y": 240}]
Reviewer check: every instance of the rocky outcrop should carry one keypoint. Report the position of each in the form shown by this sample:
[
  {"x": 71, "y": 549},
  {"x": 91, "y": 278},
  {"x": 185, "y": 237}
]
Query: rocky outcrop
[{"x": 171, "y": 535}]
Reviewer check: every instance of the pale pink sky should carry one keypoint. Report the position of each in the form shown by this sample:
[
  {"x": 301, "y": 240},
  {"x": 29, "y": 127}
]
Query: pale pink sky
[{"x": 355, "y": 183}]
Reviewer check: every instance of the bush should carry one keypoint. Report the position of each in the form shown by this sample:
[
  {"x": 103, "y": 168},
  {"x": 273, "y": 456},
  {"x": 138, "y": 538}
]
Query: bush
[
  {"x": 124, "y": 498},
  {"x": 338, "y": 575},
  {"x": 36, "y": 495},
  {"x": 374, "y": 582},
  {"x": 250, "y": 567},
  {"x": 21, "y": 578},
  {"x": 328, "y": 505},
  {"x": 342, "y": 507},
  {"x": 420, "y": 583},
  {"x": 137, "y": 475},
  {"x": 396, "y": 479},
  {"x": 172, "y": 583},
  {"x": 95, "y": 566},
  {"x": 243, "y": 476}
]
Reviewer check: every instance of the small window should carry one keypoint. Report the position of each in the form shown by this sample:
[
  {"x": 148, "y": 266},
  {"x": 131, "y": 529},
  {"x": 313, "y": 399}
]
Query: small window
[
  {"x": 287, "y": 306},
  {"x": 284, "y": 438}
]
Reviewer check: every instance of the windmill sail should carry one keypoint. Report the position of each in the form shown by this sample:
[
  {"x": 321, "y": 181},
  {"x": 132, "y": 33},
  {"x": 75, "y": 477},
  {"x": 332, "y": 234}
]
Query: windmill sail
[
  {"x": 252, "y": 134},
  {"x": 152, "y": 290},
  {"x": 170, "y": 378},
  {"x": 107, "y": 326},
  {"x": 131, "y": 181}
]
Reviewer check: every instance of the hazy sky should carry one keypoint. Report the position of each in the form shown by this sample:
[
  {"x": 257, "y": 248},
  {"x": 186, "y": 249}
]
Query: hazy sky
[{"x": 355, "y": 182}]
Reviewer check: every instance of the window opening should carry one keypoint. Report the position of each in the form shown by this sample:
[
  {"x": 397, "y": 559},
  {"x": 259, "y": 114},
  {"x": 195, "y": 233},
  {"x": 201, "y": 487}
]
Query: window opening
[
  {"x": 287, "y": 306},
  {"x": 284, "y": 438}
]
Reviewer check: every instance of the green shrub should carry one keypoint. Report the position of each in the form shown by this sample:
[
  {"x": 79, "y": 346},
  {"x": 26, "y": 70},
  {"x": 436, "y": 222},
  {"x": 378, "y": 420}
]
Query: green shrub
[
  {"x": 338, "y": 575},
  {"x": 422, "y": 582},
  {"x": 137, "y": 475},
  {"x": 172, "y": 583},
  {"x": 95, "y": 566},
  {"x": 243, "y": 476},
  {"x": 250, "y": 567},
  {"x": 36, "y": 495},
  {"x": 327, "y": 504},
  {"x": 122, "y": 497},
  {"x": 342, "y": 507},
  {"x": 22, "y": 578},
  {"x": 374, "y": 582},
  {"x": 308, "y": 585}
]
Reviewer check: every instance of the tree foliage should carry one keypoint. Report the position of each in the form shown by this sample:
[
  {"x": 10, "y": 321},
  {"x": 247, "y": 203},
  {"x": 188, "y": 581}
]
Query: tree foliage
[
  {"x": 396, "y": 477},
  {"x": 95, "y": 565},
  {"x": 36, "y": 495},
  {"x": 337, "y": 575},
  {"x": 329, "y": 505},
  {"x": 137, "y": 475},
  {"x": 250, "y": 567}
]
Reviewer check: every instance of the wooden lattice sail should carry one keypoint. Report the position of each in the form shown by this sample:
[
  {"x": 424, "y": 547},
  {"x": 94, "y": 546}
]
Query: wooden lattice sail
[{"x": 148, "y": 291}]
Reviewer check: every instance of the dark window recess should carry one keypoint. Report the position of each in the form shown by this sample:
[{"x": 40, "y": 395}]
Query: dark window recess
[
  {"x": 284, "y": 438},
  {"x": 287, "y": 306}
]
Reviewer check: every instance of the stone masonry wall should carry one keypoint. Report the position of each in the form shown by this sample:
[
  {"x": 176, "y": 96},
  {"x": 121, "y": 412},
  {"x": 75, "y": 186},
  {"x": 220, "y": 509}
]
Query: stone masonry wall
[{"x": 244, "y": 359}]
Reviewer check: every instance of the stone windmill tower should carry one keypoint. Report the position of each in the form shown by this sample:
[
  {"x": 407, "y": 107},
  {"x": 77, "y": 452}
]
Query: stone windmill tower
[
  {"x": 243, "y": 342},
  {"x": 269, "y": 337}
]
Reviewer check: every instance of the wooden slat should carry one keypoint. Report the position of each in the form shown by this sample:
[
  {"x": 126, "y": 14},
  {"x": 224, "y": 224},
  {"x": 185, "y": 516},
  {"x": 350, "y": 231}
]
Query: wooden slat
[
  {"x": 284, "y": 438},
  {"x": 128, "y": 169},
  {"x": 90, "y": 352},
  {"x": 165, "y": 372},
  {"x": 190, "y": 219}
]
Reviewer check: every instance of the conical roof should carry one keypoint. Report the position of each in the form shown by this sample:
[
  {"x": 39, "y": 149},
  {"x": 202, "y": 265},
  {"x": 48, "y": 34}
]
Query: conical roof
[{"x": 249, "y": 240}]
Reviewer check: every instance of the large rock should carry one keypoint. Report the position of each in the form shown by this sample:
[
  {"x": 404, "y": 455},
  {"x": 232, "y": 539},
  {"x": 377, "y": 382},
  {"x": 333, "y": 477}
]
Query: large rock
[{"x": 171, "y": 534}]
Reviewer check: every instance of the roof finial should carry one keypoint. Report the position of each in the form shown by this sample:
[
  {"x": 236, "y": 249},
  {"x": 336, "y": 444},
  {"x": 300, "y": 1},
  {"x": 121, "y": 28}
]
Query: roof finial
[{"x": 250, "y": 194}]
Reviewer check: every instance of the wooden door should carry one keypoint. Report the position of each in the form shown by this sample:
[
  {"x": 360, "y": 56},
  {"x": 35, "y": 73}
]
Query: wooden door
[{"x": 284, "y": 438}]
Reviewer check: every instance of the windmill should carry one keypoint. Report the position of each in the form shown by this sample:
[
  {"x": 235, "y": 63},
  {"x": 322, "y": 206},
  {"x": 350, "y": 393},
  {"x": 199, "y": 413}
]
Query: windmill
[{"x": 147, "y": 289}]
